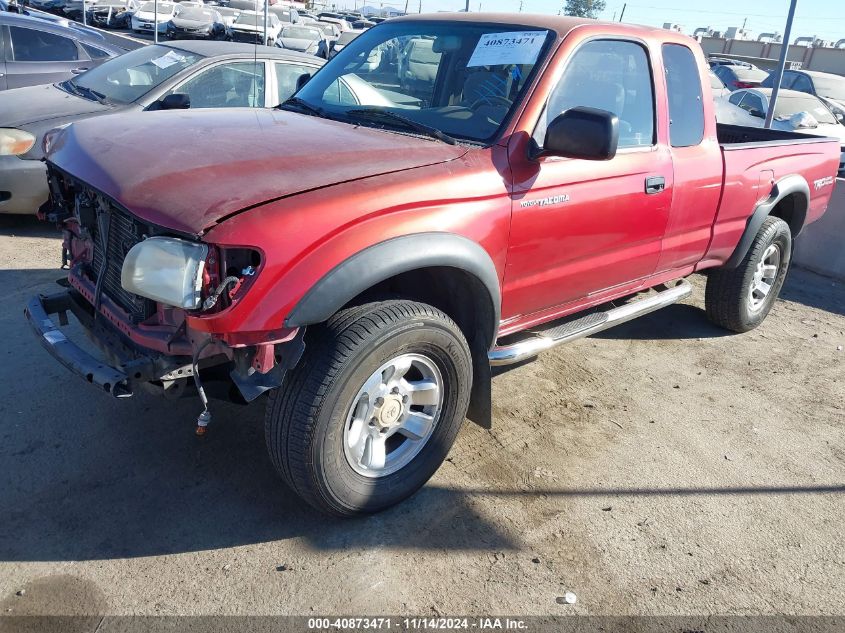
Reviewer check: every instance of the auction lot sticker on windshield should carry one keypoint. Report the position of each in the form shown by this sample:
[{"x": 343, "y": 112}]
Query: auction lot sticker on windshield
[
  {"x": 168, "y": 60},
  {"x": 499, "y": 49}
]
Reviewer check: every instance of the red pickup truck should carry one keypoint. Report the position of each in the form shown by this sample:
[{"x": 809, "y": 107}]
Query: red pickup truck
[{"x": 450, "y": 192}]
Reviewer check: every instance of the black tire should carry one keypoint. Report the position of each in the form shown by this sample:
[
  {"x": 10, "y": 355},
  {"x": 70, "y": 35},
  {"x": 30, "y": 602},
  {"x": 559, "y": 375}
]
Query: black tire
[
  {"x": 726, "y": 298},
  {"x": 306, "y": 418}
]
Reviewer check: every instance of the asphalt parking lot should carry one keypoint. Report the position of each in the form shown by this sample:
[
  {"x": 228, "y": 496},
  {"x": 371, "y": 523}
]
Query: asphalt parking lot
[{"x": 665, "y": 467}]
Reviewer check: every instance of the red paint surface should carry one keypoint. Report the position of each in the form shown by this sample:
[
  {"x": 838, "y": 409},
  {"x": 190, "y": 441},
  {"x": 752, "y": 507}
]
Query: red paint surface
[{"x": 309, "y": 193}]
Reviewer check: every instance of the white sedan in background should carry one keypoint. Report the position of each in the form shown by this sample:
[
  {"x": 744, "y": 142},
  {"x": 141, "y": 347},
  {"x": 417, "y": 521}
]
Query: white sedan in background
[{"x": 146, "y": 19}]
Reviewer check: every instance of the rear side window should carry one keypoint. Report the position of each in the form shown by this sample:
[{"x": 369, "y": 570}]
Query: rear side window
[
  {"x": 686, "y": 108},
  {"x": 94, "y": 52},
  {"x": 286, "y": 77},
  {"x": 610, "y": 75},
  {"x": 30, "y": 45},
  {"x": 802, "y": 84}
]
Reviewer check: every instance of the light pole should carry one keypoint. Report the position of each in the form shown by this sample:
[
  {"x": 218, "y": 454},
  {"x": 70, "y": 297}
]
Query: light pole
[
  {"x": 155, "y": 21},
  {"x": 266, "y": 18},
  {"x": 784, "y": 51}
]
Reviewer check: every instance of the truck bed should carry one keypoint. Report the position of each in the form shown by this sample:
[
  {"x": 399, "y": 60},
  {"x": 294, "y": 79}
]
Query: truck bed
[
  {"x": 739, "y": 136},
  {"x": 753, "y": 160}
]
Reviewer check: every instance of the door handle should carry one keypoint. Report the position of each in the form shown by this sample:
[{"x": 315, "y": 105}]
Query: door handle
[
  {"x": 78, "y": 71},
  {"x": 655, "y": 184}
]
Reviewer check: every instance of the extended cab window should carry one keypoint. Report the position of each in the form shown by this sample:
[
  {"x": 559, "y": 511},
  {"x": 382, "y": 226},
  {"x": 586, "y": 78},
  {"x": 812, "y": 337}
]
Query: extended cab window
[
  {"x": 610, "y": 75},
  {"x": 686, "y": 108}
]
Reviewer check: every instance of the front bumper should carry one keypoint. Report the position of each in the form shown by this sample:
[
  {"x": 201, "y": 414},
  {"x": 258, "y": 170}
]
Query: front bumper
[
  {"x": 178, "y": 34},
  {"x": 250, "y": 37},
  {"x": 112, "y": 380},
  {"x": 149, "y": 27},
  {"x": 128, "y": 366},
  {"x": 23, "y": 185}
]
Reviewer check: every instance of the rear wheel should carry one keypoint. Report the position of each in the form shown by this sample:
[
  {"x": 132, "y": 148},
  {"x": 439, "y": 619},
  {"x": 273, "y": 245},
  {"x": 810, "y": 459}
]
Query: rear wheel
[
  {"x": 739, "y": 299},
  {"x": 373, "y": 407}
]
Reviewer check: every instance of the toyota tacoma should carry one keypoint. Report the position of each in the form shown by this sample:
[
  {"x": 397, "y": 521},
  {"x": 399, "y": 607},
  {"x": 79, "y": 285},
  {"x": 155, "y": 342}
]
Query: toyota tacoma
[{"x": 494, "y": 186}]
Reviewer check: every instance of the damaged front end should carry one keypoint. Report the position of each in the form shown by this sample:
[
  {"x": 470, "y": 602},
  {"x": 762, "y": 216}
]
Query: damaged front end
[{"x": 136, "y": 287}]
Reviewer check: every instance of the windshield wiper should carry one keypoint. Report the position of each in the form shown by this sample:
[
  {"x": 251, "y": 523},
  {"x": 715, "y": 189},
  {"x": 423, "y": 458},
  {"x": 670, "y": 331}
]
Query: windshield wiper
[
  {"x": 93, "y": 94},
  {"x": 70, "y": 87},
  {"x": 422, "y": 128},
  {"x": 302, "y": 105},
  {"x": 82, "y": 91}
]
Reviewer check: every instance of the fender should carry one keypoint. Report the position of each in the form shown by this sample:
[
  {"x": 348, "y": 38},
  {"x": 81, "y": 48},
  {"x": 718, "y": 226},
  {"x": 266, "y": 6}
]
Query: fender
[
  {"x": 789, "y": 185},
  {"x": 389, "y": 258}
]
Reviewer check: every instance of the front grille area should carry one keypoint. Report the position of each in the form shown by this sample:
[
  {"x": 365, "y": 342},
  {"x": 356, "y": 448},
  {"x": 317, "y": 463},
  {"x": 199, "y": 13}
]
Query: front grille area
[
  {"x": 124, "y": 232},
  {"x": 250, "y": 37}
]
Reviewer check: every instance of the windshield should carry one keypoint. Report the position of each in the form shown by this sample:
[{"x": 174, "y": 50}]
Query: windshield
[
  {"x": 830, "y": 87},
  {"x": 459, "y": 78},
  {"x": 254, "y": 19},
  {"x": 195, "y": 13},
  {"x": 150, "y": 7},
  {"x": 347, "y": 36},
  {"x": 788, "y": 105},
  {"x": 300, "y": 33},
  {"x": 127, "y": 78}
]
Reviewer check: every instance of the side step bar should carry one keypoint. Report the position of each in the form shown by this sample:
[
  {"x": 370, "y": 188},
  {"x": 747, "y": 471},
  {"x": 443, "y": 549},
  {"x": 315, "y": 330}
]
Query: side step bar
[{"x": 586, "y": 326}]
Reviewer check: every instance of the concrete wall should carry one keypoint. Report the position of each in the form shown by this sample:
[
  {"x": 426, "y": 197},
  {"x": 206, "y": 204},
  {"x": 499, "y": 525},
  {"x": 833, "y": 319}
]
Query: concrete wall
[
  {"x": 765, "y": 55},
  {"x": 821, "y": 246}
]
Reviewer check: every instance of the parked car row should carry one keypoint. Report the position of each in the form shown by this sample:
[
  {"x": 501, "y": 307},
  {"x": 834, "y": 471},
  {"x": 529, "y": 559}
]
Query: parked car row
[
  {"x": 794, "y": 112},
  {"x": 40, "y": 51},
  {"x": 156, "y": 77},
  {"x": 737, "y": 75}
]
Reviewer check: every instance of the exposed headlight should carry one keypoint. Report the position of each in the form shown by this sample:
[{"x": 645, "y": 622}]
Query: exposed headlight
[
  {"x": 165, "y": 269},
  {"x": 15, "y": 142}
]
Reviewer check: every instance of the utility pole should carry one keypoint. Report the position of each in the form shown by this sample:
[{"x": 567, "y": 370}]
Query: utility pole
[
  {"x": 622, "y": 15},
  {"x": 406, "y": 7},
  {"x": 784, "y": 51},
  {"x": 467, "y": 7},
  {"x": 520, "y": 6}
]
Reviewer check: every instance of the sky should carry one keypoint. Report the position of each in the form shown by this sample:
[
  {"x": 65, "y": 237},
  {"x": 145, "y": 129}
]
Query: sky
[{"x": 822, "y": 18}]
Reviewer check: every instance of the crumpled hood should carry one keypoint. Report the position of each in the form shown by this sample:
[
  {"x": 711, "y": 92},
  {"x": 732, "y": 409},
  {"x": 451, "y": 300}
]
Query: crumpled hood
[{"x": 186, "y": 170}]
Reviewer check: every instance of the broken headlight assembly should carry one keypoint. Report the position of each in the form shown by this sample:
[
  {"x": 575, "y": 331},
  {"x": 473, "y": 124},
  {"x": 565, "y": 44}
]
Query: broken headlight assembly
[
  {"x": 179, "y": 272},
  {"x": 166, "y": 269}
]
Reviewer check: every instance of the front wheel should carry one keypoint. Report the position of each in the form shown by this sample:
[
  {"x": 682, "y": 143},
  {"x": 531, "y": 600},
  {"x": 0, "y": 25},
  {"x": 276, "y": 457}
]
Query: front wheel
[
  {"x": 373, "y": 407},
  {"x": 740, "y": 298}
]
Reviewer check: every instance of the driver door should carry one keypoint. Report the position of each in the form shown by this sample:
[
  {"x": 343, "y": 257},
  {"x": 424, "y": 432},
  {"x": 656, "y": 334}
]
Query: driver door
[{"x": 581, "y": 227}]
